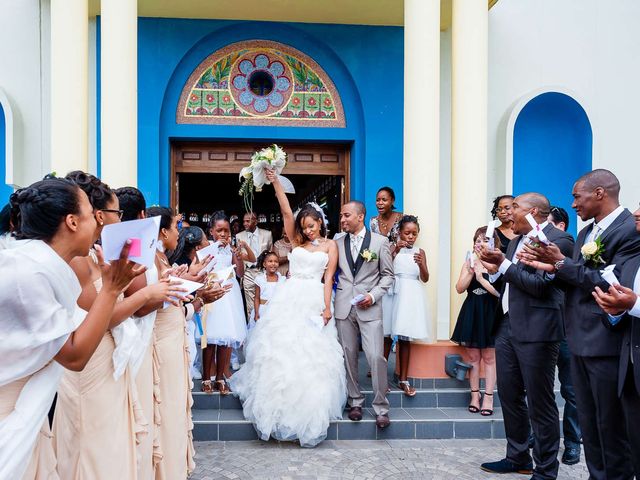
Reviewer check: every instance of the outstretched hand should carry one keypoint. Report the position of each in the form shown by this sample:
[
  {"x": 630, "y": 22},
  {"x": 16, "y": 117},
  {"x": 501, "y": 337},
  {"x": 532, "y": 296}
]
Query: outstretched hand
[{"x": 117, "y": 274}]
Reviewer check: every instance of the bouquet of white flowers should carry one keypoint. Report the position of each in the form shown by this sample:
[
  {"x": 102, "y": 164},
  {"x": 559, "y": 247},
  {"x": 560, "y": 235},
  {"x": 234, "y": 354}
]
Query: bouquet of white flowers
[{"x": 254, "y": 177}]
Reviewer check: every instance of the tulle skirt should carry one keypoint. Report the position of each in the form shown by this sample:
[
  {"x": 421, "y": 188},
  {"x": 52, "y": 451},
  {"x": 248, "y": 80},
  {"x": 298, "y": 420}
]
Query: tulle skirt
[{"x": 293, "y": 382}]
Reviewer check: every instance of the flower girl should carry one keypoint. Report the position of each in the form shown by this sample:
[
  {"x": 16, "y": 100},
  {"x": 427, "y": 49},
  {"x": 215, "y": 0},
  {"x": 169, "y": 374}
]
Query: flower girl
[
  {"x": 410, "y": 319},
  {"x": 224, "y": 322},
  {"x": 266, "y": 284}
]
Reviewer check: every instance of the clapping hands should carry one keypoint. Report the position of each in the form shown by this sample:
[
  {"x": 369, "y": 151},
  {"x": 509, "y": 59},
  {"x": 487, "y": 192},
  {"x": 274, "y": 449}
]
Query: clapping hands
[{"x": 616, "y": 300}]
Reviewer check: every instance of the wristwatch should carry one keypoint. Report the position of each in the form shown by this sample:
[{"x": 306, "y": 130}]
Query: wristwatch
[{"x": 558, "y": 265}]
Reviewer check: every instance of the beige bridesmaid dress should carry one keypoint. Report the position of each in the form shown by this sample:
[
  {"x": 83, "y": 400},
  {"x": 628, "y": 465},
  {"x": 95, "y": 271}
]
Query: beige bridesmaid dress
[
  {"x": 147, "y": 385},
  {"x": 97, "y": 422},
  {"x": 175, "y": 424},
  {"x": 43, "y": 460}
]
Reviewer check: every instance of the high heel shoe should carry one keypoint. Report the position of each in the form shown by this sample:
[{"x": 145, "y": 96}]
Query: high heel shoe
[
  {"x": 487, "y": 412},
  {"x": 473, "y": 408}
]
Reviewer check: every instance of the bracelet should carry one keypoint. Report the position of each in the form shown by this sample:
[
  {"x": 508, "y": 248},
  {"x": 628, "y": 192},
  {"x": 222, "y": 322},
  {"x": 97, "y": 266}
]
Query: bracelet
[{"x": 558, "y": 265}]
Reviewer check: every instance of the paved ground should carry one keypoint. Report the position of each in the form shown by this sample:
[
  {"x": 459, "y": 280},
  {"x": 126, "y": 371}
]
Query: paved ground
[{"x": 393, "y": 459}]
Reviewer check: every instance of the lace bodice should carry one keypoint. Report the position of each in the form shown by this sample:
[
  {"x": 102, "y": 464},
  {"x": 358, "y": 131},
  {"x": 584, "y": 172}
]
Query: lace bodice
[{"x": 307, "y": 265}]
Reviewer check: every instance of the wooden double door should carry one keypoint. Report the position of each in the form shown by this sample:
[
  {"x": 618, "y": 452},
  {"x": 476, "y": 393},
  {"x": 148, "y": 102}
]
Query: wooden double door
[{"x": 204, "y": 178}]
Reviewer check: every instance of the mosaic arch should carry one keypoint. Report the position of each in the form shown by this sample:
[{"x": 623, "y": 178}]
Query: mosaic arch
[{"x": 259, "y": 82}]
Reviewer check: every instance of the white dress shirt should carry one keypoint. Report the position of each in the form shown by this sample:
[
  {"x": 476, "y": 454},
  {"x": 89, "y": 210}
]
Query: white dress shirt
[
  {"x": 602, "y": 225},
  {"x": 506, "y": 263},
  {"x": 254, "y": 243},
  {"x": 356, "y": 244}
]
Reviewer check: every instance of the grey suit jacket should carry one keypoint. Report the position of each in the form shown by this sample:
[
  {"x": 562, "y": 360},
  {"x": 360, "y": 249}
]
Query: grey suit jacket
[
  {"x": 265, "y": 237},
  {"x": 357, "y": 276}
]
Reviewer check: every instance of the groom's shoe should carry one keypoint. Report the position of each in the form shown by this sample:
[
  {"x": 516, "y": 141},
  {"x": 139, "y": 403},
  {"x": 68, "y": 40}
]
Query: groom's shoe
[
  {"x": 507, "y": 466},
  {"x": 382, "y": 421},
  {"x": 355, "y": 414}
]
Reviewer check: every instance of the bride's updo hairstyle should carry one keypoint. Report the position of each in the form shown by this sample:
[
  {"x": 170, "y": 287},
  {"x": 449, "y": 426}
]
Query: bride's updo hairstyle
[
  {"x": 41, "y": 208},
  {"x": 98, "y": 192},
  {"x": 308, "y": 211}
]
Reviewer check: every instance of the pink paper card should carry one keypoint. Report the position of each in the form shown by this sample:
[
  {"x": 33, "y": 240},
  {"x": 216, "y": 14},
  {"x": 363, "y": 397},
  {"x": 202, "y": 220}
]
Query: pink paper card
[{"x": 136, "y": 247}]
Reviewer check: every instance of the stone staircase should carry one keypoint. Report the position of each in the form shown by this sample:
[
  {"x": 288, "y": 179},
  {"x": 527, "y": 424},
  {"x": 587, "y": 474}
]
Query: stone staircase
[{"x": 438, "y": 411}]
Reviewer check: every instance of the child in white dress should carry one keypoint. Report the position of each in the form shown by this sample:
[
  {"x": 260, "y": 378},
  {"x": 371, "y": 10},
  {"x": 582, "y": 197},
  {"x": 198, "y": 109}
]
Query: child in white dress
[
  {"x": 410, "y": 318},
  {"x": 267, "y": 283},
  {"x": 222, "y": 321}
]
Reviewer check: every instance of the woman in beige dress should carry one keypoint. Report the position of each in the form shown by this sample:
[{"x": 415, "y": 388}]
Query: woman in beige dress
[
  {"x": 171, "y": 352},
  {"x": 97, "y": 418},
  {"x": 57, "y": 224}
]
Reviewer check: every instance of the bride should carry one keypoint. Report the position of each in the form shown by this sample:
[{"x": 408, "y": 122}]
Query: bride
[{"x": 293, "y": 382}]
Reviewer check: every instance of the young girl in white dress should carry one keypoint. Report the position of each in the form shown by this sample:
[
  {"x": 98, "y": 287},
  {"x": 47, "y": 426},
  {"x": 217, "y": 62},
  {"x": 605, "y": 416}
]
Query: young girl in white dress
[
  {"x": 410, "y": 315},
  {"x": 267, "y": 282},
  {"x": 223, "y": 321}
]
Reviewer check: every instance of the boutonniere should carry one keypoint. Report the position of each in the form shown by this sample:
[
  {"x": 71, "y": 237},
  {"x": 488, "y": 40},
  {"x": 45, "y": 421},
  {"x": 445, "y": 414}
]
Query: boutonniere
[
  {"x": 368, "y": 255},
  {"x": 592, "y": 252}
]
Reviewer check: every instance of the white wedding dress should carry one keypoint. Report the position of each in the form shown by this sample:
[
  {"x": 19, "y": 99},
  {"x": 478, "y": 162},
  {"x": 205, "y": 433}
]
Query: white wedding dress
[{"x": 293, "y": 382}]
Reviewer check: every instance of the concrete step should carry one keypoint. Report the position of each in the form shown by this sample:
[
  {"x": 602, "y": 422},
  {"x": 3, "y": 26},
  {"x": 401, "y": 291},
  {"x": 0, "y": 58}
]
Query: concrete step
[
  {"x": 406, "y": 423},
  {"x": 424, "y": 398}
]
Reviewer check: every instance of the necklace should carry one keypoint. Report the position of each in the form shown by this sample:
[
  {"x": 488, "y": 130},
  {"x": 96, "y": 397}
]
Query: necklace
[{"x": 165, "y": 262}]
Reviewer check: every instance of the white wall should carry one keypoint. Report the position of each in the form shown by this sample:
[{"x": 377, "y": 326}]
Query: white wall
[
  {"x": 24, "y": 28},
  {"x": 588, "y": 47}
]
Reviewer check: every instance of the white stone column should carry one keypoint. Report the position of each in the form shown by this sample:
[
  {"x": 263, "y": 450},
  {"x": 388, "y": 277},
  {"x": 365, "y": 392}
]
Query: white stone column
[
  {"x": 469, "y": 78},
  {"x": 119, "y": 92},
  {"x": 69, "y": 85},
  {"x": 421, "y": 161}
]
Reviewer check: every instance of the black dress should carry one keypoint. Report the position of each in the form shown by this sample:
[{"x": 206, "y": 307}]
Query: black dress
[
  {"x": 475, "y": 320},
  {"x": 504, "y": 241}
]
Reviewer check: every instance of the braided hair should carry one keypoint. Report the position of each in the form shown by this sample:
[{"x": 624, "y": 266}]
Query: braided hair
[
  {"x": 132, "y": 202},
  {"x": 98, "y": 192},
  {"x": 188, "y": 240},
  {"x": 408, "y": 219},
  {"x": 39, "y": 209}
]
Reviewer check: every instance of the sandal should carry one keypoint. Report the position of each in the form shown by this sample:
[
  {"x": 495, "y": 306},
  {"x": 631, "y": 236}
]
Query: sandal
[
  {"x": 406, "y": 387},
  {"x": 206, "y": 386},
  {"x": 487, "y": 412},
  {"x": 473, "y": 408},
  {"x": 222, "y": 387}
]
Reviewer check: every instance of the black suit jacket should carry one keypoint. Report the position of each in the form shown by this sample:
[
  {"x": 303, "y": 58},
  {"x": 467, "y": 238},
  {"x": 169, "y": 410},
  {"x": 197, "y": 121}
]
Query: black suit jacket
[
  {"x": 630, "y": 330},
  {"x": 536, "y": 302},
  {"x": 585, "y": 323}
]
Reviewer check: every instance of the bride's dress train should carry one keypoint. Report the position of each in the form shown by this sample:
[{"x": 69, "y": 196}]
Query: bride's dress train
[{"x": 293, "y": 382}]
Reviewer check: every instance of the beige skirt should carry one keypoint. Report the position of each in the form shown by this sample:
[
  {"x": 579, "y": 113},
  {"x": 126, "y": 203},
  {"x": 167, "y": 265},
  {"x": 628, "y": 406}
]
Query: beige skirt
[
  {"x": 97, "y": 422},
  {"x": 43, "y": 460},
  {"x": 147, "y": 385},
  {"x": 175, "y": 424}
]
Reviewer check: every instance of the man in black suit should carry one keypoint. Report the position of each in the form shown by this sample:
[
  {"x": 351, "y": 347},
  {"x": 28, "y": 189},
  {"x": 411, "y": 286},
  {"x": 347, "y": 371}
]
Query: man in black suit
[
  {"x": 622, "y": 303},
  {"x": 530, "y": 329},
  {"x": 595, "y": 349},
  {"x": 572, "y": 436}
]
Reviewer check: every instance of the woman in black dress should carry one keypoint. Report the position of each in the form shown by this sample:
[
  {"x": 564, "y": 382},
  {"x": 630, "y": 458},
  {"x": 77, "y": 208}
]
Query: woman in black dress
[
  {"x": 475, "y": 324},
  {"x": 502, "y": 211}
]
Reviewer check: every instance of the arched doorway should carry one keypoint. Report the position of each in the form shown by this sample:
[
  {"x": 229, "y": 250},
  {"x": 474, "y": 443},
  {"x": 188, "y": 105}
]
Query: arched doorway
[{"x": 552, "y": 147}]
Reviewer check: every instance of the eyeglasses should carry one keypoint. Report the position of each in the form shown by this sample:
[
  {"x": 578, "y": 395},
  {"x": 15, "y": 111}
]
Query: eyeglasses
[{"x": 110, "y": 210}]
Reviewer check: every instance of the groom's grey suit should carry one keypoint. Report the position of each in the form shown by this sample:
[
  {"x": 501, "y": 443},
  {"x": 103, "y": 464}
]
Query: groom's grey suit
[{"x": 358, "y": 276}]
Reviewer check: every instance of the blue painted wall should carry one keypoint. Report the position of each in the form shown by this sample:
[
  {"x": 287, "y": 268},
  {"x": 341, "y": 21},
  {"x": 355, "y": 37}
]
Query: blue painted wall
[
  {"x": 552, "y": 143},
  {"x": 364, "y": 62},
  {"x": 5, "y": 190}
]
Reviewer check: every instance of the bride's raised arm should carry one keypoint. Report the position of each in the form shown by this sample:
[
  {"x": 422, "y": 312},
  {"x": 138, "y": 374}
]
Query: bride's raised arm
[{"x": 285, "y": 208}]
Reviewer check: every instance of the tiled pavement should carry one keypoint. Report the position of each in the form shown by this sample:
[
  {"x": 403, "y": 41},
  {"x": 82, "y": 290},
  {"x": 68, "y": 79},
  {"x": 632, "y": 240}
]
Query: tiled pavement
[{"x": 336, "y": 459}]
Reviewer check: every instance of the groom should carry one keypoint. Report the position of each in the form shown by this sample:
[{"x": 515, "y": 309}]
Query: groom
[{"x": 366, "y": 273}]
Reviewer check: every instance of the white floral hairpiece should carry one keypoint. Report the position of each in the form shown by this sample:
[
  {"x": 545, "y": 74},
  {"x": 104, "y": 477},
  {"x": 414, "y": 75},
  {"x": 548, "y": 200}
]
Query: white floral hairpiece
[{"x": 317, "y": 208}]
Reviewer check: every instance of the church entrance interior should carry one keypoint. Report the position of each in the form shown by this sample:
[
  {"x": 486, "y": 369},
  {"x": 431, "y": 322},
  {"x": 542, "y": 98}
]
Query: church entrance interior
[{"x": 205, "y": 179}]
